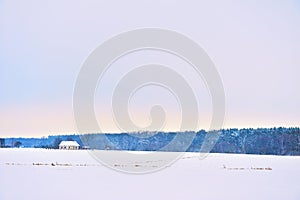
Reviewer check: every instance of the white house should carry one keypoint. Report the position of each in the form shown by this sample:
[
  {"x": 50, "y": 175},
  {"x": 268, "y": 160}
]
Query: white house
[{"x": 69, "y": 145}]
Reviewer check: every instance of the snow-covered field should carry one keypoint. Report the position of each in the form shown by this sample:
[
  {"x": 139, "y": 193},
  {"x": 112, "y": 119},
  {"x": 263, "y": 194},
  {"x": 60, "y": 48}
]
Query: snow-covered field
[{"x": 40, "y": 174}]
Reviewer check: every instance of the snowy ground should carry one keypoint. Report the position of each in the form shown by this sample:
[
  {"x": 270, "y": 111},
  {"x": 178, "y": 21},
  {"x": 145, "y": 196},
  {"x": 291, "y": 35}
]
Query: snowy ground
[{"x": 35, "y": 174}]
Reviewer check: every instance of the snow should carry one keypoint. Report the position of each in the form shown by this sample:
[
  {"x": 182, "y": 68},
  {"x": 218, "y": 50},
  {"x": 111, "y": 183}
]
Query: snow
[{"x": 34, "y": 174}]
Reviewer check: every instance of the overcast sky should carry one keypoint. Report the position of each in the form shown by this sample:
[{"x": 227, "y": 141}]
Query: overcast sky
[{"x": 255, "y": 46}]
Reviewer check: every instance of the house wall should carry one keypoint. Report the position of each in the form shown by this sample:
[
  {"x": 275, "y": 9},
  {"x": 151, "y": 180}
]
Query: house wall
[{"x": 69, "y": 147}]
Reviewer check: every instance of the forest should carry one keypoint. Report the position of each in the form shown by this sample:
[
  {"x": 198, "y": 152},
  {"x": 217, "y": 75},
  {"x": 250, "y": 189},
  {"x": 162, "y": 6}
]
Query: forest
[{"x": 265, "y": 141}]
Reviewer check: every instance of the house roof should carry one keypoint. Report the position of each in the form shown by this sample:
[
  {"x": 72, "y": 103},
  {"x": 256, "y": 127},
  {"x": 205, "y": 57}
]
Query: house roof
[{"x": 69, "y": 143}]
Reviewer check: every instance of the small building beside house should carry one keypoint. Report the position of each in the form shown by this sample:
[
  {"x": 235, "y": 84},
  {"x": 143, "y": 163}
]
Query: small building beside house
[{"x": 69, "y": 145}]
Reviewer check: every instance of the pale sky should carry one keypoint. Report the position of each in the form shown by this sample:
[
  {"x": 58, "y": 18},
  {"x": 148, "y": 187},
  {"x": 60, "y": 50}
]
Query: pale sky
[{"x": 255, "y": 46}]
